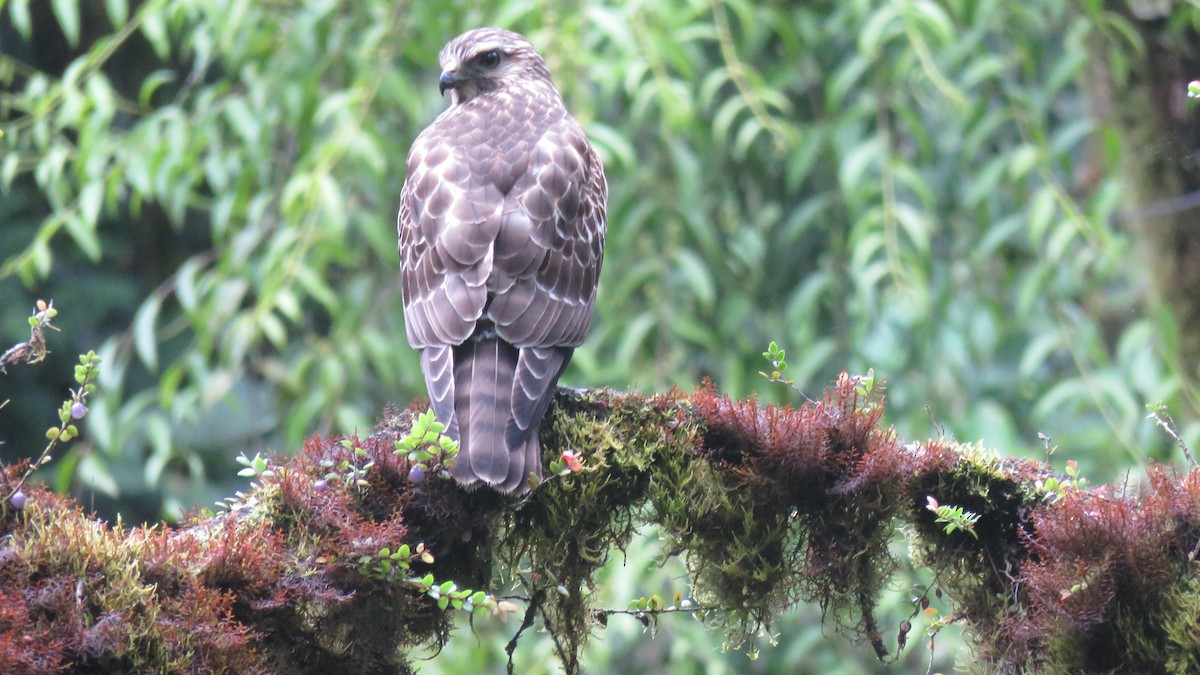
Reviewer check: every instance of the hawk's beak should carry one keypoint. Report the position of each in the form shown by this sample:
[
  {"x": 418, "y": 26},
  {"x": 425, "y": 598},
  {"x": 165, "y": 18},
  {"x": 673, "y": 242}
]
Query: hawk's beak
[{"x": 448, "y": 80}]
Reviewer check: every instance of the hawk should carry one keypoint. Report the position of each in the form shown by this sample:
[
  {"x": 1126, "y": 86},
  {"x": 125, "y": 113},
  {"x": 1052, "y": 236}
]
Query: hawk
[{"x": 501, "y": 228}]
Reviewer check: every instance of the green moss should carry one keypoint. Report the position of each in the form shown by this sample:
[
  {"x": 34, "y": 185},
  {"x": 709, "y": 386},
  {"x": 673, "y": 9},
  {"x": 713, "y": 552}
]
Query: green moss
[
  {"x": 734, "y": 552},
  {"x": 1181, "y": 626},
  {"x": 572, "y": 523}
]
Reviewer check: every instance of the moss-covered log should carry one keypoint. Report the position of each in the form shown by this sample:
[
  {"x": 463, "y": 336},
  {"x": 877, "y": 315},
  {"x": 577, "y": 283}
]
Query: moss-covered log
[{"x": 344, "y": 557}]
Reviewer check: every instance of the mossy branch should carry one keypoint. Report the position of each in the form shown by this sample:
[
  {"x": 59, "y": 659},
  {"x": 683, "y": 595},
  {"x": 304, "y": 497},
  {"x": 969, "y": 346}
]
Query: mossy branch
[{"x": 769, "y": 506}]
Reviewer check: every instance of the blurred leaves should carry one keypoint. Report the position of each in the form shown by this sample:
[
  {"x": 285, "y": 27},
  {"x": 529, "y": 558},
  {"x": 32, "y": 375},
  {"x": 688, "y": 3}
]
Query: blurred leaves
[{"x": 914, "y": 186}]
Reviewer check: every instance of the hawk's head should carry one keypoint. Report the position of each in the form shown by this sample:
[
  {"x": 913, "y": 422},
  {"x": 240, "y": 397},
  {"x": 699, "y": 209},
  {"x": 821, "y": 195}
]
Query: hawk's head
[{"x": 488, "y": 59}]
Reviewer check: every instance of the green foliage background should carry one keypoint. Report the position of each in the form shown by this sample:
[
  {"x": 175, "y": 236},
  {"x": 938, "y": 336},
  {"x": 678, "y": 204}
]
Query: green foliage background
[{"x": 207, "y": 189}]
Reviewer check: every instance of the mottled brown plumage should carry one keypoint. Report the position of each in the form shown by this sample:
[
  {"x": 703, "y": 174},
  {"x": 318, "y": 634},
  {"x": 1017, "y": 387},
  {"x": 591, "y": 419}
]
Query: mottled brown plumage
[{"x": 501, "y": 237}]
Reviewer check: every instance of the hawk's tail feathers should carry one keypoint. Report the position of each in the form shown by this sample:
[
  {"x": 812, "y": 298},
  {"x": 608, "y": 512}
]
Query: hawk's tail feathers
[
  {"x": 500, "y": 395},
  {"x": 483, "y": 375},
  {"x": 537, "y": 373}
]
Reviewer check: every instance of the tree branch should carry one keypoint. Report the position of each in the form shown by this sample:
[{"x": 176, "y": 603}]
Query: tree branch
[{"x": 769, "y": 506}]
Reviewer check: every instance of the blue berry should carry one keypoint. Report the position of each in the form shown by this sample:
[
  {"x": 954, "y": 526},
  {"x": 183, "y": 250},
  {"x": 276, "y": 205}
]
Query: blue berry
[{"x": 416, "y": 475}]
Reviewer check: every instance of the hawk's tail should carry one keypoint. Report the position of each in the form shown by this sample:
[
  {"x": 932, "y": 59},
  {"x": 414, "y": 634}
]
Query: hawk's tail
[
  {"x": 536, "y": 377},
  {"x": 500, "y": 396}
]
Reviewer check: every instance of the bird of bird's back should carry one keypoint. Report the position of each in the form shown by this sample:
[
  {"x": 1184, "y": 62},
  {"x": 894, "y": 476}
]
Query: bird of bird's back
[{"x": 502, "y": 222}]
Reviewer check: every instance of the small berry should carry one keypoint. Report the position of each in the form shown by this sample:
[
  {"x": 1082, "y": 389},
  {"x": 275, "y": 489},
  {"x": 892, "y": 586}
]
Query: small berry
[
  {"x": 416, "y": 475},
  {"x": 321, "y": 485},
  {"x": 78, "y": 410},
  {"x": 18, "y": 500}
]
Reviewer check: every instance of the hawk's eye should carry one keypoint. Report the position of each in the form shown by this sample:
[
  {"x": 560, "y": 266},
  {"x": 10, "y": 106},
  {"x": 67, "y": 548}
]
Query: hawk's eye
[{"x": 490, "y": 59}]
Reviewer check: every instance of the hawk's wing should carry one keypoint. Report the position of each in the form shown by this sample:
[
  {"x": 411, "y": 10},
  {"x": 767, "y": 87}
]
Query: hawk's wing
[{"x": 504, "y": 213}]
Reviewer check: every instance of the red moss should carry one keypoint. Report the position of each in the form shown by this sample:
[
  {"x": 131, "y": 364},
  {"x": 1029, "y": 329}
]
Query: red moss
[
  {"x": 1095, "y": 557},
  {"x": 165, "y": 557},
  {"x": 276, "y": 561},
  {"x": 28, "y": 644},
  {"x": 835, "y": 446},
  {"x": 823, "y": 482},
  {"x": 246, "y": 559},
  {"x": 356, "y": 519},
  {"x": 200, "y": 622},
  {"x": 1114, "y": 542}
]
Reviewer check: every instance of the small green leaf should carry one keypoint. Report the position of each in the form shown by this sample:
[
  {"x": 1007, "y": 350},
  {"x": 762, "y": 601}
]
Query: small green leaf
[
  {"x": 19, "y": 13},
  {"x": 118, "y": 12},
  {"x": 145, "y": 341},
  {"x": 67, "y": 13}
]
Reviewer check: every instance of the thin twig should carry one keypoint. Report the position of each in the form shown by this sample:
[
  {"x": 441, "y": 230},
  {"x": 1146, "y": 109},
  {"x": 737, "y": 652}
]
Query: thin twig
[
  {"x": 530, "y": 612},
  {"x": 1163, "y": 419}
]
